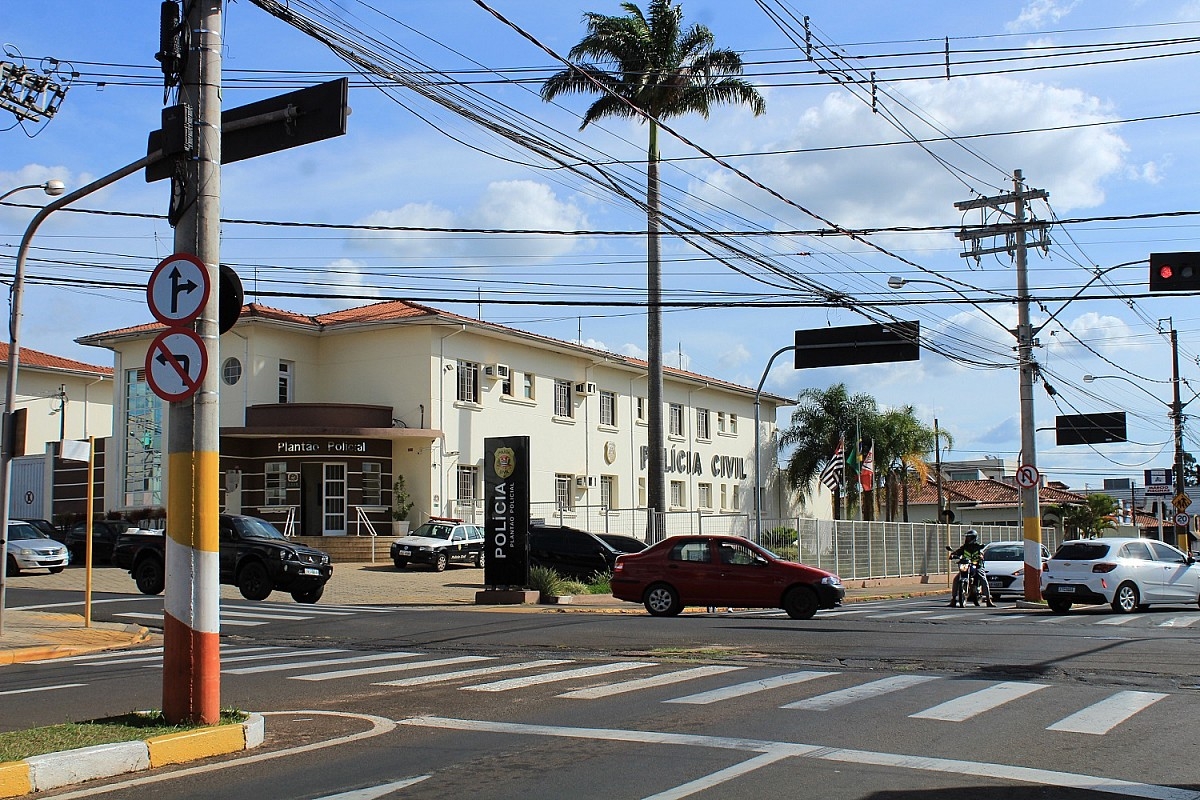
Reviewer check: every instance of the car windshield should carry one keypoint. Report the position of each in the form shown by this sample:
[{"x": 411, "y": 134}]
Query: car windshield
[
  {"x": 1004, "y": 552},
  {"x": 1081, "y": 551},
  {"x": 434, "y": 530},
  {"x": 258, "y": 528},
  {"x": 24, "y": 532}
]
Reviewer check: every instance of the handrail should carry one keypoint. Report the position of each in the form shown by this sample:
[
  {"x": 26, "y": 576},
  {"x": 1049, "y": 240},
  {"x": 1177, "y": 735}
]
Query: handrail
[{"x": 361, "y": 518}]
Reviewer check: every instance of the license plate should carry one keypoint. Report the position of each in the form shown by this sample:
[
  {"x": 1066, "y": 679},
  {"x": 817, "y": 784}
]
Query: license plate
[
  {"x": 1067, "y": 589},
  {"x": 310, "y": 571},
  {"x": 993, "y": 581},
  {"x": 405, "y": 550}
]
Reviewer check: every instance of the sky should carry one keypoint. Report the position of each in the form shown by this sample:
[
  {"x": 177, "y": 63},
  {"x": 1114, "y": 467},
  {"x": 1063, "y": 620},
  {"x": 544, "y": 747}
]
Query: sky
[{"x": 458, "y": 187}]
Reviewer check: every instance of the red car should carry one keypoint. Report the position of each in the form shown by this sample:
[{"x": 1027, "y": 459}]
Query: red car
[{"x": 721, "y": 571}]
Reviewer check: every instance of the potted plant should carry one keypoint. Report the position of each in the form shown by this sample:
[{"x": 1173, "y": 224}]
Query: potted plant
[{"x": 401, "y": 505}]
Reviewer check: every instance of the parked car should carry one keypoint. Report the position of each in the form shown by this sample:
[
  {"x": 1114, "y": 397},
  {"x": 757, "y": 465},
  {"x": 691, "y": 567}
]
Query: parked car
[
  {"x": 1127, "y": 573},
  {"x": 438, "y": 542},
  {"x": 570, "y": 552},
  {"x": 104, "y": 537},
  {"x": 47, "y": 527},
  {"x": 1004, "y": 563},
  {"x": 622, "y": 543},
  {"x": 254, "y": 556},
  {"x": 721, "y": 571},
  {"x": 29, "y": 548}
]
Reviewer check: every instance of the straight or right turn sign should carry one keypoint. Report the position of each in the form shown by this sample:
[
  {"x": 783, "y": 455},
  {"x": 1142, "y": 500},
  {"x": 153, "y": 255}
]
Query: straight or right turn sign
[{"x": 175, "y": 364}]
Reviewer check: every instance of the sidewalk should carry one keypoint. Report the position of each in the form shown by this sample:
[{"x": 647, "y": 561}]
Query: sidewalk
[{"x": 31, "y": 635}]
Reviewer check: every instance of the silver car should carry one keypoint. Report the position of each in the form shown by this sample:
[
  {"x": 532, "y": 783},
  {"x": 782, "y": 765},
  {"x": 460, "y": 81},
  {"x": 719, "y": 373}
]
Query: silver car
[
  {"x": 1004, "y": 563},
  {"x": 29, "y": 548},
  {"x": 1127, "y": 573}
]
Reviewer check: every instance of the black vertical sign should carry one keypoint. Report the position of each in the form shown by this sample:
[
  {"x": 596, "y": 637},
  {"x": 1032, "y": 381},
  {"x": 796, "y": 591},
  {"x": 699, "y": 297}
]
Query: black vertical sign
[{"x": 506, "y": 526}]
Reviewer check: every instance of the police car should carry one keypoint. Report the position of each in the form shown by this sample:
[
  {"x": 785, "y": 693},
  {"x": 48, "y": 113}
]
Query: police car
[{"x": 438, "y": 542}]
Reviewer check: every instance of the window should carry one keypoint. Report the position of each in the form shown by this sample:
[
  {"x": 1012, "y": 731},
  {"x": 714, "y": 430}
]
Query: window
[
  {"x": 691, "y": 550},
  {"x": 734, "y": 497},
  {"x": 641, "y": 409},
  {"x": 506, "y": 386},
  {"x": 608, "y": 408},
  {"x": 527, "y": 385},
  {"x": 675, "y": 419},
  {"x": 564, "y": 495},
  {"x": 276, "y": 483},
  {"x": 733, "y": 424},
  {"x": 704, "y": 495},
  {"x": 608, "y": 491},
  {"x": 287, "y": 378},
  {"x": 702, "y": 431},
  {"x": 468, "y": 382},
  {"x": 678, "y": 494},
  {"x": 724, "y": 500},
  {"x": 467, "y": 478},
  {"x": 563, "y": 406},
  {"x": 231, "y": 371},
  {"x": 641, "y": 492},
  {"x": 720, "y": 422},
  {"x": 372, "y": 483},
  {"x": 143, "y": 443}
]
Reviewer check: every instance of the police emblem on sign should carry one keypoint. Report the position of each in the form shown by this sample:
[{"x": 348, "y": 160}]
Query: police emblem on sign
[{"x": 505, "y": 462}]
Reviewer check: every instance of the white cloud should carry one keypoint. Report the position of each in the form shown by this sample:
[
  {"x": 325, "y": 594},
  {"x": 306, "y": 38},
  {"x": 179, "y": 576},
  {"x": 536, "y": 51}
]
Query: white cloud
[{"x": 1041, "y": 14}]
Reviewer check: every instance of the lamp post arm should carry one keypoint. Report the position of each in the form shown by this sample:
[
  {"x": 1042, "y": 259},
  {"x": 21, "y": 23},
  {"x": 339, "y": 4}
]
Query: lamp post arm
[
  {"x": 757, "y": 445},
  {"x": 1075, "y": 296}
]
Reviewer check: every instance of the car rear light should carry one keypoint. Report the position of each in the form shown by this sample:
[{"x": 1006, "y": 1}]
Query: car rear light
[
  {"x": 1101, "y": 568},
  {"x": 618, "y": 567}
]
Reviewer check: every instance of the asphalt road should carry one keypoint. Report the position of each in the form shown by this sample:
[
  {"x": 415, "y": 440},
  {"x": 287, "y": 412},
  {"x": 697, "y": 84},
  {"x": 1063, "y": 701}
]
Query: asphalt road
[{"x": 904, "y": 699}]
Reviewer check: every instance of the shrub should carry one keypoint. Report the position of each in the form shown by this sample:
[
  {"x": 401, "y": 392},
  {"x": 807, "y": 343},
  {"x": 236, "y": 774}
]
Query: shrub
[{"x": 546, "y": 581}]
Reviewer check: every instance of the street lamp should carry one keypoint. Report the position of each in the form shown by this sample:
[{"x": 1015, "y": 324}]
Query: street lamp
[
  {"x": 53, "y": 188},
  {"x": 896, "y": 282}
]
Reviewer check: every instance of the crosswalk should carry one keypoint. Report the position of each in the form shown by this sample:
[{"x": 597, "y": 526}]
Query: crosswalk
[
  {"x": 246, "y": 615},
  {"x": 922, "y": 610},
  {"x": 811, "y": 691}
]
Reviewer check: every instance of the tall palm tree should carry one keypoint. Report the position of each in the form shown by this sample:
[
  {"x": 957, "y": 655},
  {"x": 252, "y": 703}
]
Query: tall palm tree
[
  {"x": 900, "y": 445},
  {"x": 821, "y": 418},
  {"x": 647, "y": 66}
]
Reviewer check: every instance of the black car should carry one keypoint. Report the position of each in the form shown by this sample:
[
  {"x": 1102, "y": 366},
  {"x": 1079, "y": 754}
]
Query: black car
[
  {"x": 104, "y": 538},
  {"x": 254, "y": 556},
  {"x": 622, "y": 543},
  {"x": 438, "y": 542},
  {"x": 570, "y": 552}
]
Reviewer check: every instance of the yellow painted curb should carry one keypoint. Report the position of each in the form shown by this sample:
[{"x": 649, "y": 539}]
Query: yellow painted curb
[
  {"x": 14, "y": 779},
  {"x": 179, "y": 748}
]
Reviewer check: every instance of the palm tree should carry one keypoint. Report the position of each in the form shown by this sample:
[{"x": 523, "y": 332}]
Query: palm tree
[
  {"x": 647, "y": 66},
  {"x": 1090, "y": 519},
  {"x": 901, "y": 442},
  {"x": 821, "y": 418}
]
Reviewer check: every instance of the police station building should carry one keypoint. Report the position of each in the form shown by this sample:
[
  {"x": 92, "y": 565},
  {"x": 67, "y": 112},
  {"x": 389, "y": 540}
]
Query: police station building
[{"x": 321, "y": 414}]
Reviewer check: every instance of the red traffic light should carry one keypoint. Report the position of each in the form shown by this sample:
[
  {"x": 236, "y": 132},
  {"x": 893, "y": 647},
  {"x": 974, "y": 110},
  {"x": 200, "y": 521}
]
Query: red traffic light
[
  {"x": 1165, "y": 272},
  {"x": 1174, "y": 272}
]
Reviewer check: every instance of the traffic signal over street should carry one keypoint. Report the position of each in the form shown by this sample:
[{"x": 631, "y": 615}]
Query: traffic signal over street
[{"x": 1174, "y": 272}]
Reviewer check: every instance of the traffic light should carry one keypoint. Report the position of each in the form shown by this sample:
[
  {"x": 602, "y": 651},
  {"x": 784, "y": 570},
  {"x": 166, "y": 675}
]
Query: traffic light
[{"x": 1174, "y": 272}]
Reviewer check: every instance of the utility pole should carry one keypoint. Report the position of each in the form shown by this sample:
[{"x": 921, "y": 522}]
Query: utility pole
[
  {"x": 1181, "y": 501},
  {"x": 1027, "y": 474},
  {"x": 191, "y": 624}
]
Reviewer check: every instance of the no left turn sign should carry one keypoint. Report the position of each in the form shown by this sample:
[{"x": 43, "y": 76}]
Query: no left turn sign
[{"x": 175, "y": 364}]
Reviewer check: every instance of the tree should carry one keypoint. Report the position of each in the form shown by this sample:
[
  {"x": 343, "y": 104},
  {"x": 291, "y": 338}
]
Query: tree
[
  {"x": 901, "y": 443},
  {"x": 1091, "y": 518},
  {"x": 821, "y": 418},
  {"x": 648, "y": 67}
]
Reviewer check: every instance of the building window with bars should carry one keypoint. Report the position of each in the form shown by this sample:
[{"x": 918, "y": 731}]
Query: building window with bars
[
  {"x": 608, "y": 491},
  {"x": 564, "y": 494},
  {"x": 468, "y": 382},
  {"x": 372, "y": 483},
  {"x": 468, "y": 477},
  {"x": 675, "y": 419},
  {"x": 704, "y": 495},
  {"x": 678, "y": 494},
  {"x": 276, "y": 483},
  {"x": 564, "y": 406},
  {"x": 608, "y": 409}
]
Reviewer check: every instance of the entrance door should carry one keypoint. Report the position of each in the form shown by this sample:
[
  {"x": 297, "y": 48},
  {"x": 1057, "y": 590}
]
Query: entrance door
[
  {"x": 335, "y": 500},
  {"x": 312, "y": 502}
]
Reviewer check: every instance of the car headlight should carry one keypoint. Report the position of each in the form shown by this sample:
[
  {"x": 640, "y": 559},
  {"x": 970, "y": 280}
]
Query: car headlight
[
  {"x": 26, "y": 552},
  {"x": 831, "y": 580}
]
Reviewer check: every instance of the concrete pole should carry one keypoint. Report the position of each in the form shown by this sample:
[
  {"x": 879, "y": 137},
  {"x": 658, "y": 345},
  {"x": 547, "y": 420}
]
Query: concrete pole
[
  {"x": 1181, "y": 531},
  {"x": 1031, "y": 512},
  {"x": 191, "y": 626},
  {"x": 656, "y": 480}
]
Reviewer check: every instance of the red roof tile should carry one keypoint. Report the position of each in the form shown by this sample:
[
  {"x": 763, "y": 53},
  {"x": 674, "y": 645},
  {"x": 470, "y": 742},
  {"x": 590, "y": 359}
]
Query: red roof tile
[{"x": 36, "y": 358}]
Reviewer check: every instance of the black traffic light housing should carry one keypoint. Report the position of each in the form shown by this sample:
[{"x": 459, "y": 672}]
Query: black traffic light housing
[{"x": 1174, "y": 272}]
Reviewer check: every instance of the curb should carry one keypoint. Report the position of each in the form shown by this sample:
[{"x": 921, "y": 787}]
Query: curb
[
  {"x": 114, "y": 638},
  {"x": 56, "y": 770}
]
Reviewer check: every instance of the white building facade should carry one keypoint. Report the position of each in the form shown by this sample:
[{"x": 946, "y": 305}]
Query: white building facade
[{"x": 320, "y": 414}]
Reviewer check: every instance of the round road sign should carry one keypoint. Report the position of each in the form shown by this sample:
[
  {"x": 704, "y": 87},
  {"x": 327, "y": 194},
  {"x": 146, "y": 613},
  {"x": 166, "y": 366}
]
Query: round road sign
[
  {"x": 175, "y": 364},
  {"x": 1027, "y": 476},
  {"x": 1182, "y": 520},
  {"x": 178, "y": 289}
]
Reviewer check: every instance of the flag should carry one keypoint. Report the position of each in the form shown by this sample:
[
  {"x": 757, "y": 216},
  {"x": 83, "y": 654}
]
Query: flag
[
  {"x": 853, "y": 460},
  {"x": 834, "y": 474},
  {"x": 867, "y": 474}
]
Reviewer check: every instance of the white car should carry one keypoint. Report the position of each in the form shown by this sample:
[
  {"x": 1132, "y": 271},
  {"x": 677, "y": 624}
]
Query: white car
[
  {"x": 29, "y": 548},
  {"x": 1127, "y": 573},
  {"x": 1004, "y": 563}
]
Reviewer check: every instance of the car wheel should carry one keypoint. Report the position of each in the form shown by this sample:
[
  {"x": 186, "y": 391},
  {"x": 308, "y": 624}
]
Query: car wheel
[
  {"x": 253, "y": 582},
  {"x": 1059, "y": 606},
  {"x": 10, "y": 567},
  {"x": 309, "y": 595},
  {"x": 439, "y": 562},
  {"x": 662, "y": 601},
  {"x": 400, "y": 563},
  {"x": 800, "y": 603},
  {"x": 149, "y": 576},
  {"x": 1125, "y": 601},
  {"x": 479, "y": 559}
]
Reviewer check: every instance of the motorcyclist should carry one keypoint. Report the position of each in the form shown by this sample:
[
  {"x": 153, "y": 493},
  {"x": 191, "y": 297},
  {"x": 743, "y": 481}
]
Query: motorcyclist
[{"x": 973, "y": 550}]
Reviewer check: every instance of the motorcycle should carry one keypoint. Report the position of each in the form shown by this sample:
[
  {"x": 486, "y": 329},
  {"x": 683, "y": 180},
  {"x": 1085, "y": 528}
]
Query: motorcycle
[{"x": 967, "y": 583}]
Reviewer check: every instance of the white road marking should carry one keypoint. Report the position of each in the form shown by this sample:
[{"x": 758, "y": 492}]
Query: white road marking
[
  {"x": 43, "y": 688},
  {"x": 80, "y": 603},
  {"x": 1107, "y": 714},
  {"x": 97, "y": 657},
  {"x": 156, "y": 660},
  {"x": 159, "y": 618},
  {"x": 666, "y": 679},
  {"x": 290, "y": 611},
  {"x": 824, "y": 702},
  {"x": 947, "y": 616},
  {"x": 970, "y": 705},
  {"x": 561, "y": 675},
  {"x": 750, "y": 687},
  {"x": 1115, "y": 621},
  {"x": 320, "y": 662},
  {"x": 955, "y": 767},
  {"x": 354, "y": 673},
  {"x": 722, "y": 776},
  {"x": 226, "y": 613},
  {"x": 371, "y": 792},
  {"x": 901, "y": 614},
  {"x": 1179, "y": 622},
  {"x": 421, "y": 680}
]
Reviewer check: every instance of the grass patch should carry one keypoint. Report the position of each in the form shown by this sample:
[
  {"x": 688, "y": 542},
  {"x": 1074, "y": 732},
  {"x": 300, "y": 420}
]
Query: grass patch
[
  {"x": 16, "y": 745},
  {"x": 549, "y": 582},
  {"x": 695, "y": 652}
]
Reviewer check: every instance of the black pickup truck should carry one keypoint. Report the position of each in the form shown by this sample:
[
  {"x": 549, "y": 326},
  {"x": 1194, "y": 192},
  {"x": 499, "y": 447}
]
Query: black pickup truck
[{"x": 255, "y": 557}]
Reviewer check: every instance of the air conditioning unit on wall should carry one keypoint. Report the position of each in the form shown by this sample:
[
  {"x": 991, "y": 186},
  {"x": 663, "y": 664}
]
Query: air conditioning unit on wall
[
  {"x": 586, "y": 481},
  {"x": 585, "y": 388},
  {"x": 497, "y": 371}
]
